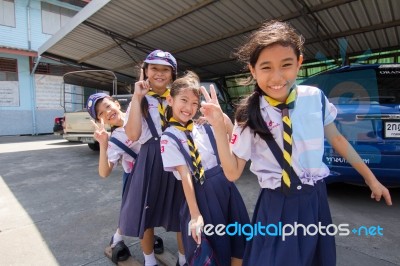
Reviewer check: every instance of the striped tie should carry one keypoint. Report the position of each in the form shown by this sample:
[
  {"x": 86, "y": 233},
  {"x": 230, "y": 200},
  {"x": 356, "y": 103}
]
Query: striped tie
[
  {"x": 161, "y": 109},
  {"x": 194, "y": 153},
  {"x": 287, "y": 136}
]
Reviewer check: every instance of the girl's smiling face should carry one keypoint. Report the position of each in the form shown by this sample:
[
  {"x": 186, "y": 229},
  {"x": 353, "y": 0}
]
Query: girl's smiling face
[
  {"x": 276, "y": 70},
  {"x": 110, "y": 112},
  {"x": 184, "y": 105},
  {"x": 159, "y": 76}
]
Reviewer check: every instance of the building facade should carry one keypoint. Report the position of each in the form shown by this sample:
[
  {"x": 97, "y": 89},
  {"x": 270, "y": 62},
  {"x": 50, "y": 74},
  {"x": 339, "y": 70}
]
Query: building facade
[{"x": 30, "y": 91}]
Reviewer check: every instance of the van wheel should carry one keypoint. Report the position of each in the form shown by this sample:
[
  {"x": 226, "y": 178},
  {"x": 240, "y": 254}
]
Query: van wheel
[{"x": 94, "y": 146}]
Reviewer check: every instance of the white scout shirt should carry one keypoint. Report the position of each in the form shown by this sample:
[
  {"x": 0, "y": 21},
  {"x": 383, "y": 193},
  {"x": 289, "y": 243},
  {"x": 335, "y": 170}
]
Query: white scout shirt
[
  {"x": 116, "y": 154},
  {"x": 172, "y": 156},
  {"x": 308, "y": 139},
  {"x": 155, "y": 116}
]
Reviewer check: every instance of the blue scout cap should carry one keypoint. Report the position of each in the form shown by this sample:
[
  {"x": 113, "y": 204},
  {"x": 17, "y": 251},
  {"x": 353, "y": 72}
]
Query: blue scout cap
[
  {"x": 91, "y": 103},
  {"x": 158, "y": 57}
]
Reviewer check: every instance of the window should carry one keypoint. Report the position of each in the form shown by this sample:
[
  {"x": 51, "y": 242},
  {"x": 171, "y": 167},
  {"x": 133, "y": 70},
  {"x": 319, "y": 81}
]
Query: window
[
  {"x": 388, "y": 84},
  {"x": 54, "y": 17},
  {"x": 8, "y": 69},
  {"x": 9, "y": 85},
  {"x": 7, "y": 13}
]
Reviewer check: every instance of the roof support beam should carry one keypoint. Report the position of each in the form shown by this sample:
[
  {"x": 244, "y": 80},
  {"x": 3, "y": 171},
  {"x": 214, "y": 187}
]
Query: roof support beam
[
  {"x": 119, "y": 39},
  {"x": 390, "y": 24},
  {"x": 312, "y": 20},
  {"x": 149, "y": 29},
  {"x": 256, "y": 26}
]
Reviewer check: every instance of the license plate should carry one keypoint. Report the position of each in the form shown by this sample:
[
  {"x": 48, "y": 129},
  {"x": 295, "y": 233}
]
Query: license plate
[
  {"x": 391, "y": 129},
  {"x": 87, "y": 140}
]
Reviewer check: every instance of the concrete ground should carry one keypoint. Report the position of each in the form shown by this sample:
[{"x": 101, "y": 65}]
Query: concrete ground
[{"x": 56, "y": 210}]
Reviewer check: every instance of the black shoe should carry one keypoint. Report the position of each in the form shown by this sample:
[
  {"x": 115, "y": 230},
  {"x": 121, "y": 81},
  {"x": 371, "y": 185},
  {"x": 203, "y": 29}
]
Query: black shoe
[
  {"x": 120, "y": 252},
  {"x": 158, "y": 245}
]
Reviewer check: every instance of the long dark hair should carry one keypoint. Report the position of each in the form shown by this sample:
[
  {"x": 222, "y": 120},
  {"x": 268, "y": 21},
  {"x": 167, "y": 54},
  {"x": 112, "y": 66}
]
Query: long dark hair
[{"x": 248, "y": 114}]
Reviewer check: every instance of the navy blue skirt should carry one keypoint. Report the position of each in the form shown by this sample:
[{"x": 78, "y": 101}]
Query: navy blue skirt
[
  {"x": 219, "y": 202},
  {"x": 306, "y": 206},
  {"x": 124, "y": 179},
  {"x": 152, "y": 197}
]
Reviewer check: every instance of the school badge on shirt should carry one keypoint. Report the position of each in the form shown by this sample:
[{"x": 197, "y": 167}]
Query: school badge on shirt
[
  {"x": 271, "y": 124},
  {"x": 234, "y": 138}
]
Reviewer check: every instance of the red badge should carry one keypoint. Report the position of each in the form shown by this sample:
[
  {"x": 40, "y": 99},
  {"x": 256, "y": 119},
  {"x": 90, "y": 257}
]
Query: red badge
[
  {"x": 162, "y": 149},
  {"x": 234, "y": 138}
]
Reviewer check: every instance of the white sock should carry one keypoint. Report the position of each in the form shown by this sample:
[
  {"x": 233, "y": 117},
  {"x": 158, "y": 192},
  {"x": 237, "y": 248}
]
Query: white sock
[
  {"x": 116, "y": 238},
  {"x": 150, "y": 260},
  {"x": 181, "y": 259}
]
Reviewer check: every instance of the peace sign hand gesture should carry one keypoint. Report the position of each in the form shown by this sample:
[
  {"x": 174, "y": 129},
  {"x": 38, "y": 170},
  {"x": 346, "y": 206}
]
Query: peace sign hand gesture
[
  {"x": 211, "y": 109},
  {"x": 100, "y": 133}
]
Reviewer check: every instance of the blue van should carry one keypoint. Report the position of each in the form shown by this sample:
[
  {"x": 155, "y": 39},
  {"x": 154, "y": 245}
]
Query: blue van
[{"x": 367, "y": 98}]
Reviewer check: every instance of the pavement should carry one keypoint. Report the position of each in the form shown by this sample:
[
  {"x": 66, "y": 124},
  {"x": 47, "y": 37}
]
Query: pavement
[{"x": 56, "y": 210}]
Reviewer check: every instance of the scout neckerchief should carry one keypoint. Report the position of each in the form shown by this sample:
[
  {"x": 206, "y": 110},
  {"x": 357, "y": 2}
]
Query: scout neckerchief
[
  {"x": 161, "y": 109},
  {"x": 194, "y": 153},
  {"x": 287, "y": 171}
]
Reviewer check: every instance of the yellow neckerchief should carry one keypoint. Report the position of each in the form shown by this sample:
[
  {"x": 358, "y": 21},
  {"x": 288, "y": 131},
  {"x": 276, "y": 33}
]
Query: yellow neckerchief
[
  {"x": 194, "y": 153},
  {"x": 160, "y": 105}
]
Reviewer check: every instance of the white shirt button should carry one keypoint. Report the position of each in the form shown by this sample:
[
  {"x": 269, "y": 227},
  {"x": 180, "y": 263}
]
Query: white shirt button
[{"x": 298, "y": 187}]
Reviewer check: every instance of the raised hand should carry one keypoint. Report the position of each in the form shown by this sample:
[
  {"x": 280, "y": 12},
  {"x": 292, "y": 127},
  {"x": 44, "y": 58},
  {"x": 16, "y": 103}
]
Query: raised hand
[
  {"x": 100, "y": 133},
  {"x": 141, "y": 76},
  {"x": 211, "y": 109},
  {"x": 141, "y": 86}
]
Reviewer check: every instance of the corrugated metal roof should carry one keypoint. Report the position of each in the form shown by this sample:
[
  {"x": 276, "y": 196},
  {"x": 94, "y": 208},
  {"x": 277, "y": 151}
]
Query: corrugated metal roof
[{"x": 202, "y": 34}]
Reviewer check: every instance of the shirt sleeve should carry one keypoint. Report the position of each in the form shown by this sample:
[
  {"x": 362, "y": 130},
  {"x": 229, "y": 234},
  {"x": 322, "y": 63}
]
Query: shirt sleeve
[
  {"x": 171, "y": 154},
  {"x": 241, "y": 142},
  {"x": 330, "y": 112}
]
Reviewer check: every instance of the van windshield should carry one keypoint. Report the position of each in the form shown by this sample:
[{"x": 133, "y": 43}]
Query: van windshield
[{"x": 366, "y": 86}]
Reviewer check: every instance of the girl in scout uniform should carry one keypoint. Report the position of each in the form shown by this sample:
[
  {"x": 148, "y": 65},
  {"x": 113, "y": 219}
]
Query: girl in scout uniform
[
  {"x": 153, "y": 196},
  {"x": 281, "y": 127},
  {"x": 113, "y": 149},
  {"x": 190, "y": 152}
]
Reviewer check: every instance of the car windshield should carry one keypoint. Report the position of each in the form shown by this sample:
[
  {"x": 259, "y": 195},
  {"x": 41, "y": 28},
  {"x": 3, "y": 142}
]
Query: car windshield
[
  {"x": 206, "y": 85},
  {"x": 366, "y": 86}
]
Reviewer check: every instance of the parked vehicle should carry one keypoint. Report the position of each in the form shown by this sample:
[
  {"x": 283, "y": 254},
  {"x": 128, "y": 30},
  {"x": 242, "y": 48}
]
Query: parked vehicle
[
  {"x": 76, "y": 123},
  {"x": 367, "y": 98},
  {"x": 58, "y": 128},
  {"x": 223, "y": 97}
]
